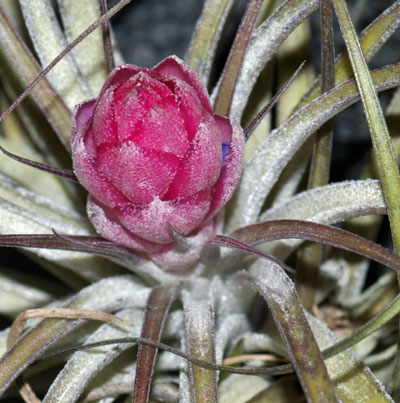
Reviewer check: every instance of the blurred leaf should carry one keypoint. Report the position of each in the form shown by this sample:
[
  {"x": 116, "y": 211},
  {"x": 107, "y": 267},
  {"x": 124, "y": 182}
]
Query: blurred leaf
[
  {"x": 205, "y": 38},
  {"x": 89, "y": 54},
  {"x": 241, "y": 388},
  {"x": 49, "y": 101},
  {"x": 283, "y": 391},
  {"x": 371, "y": 40},
  {"x": 309, "y": 256},
  {"x": 22, "y": 291},
  {"x": 49, "y": 41},
  {"x": 295, "y": 49}
]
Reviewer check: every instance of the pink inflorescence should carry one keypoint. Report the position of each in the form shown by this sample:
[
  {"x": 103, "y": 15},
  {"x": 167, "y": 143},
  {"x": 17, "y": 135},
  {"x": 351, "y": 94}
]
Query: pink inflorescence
[{"x": 151, "y": 152}]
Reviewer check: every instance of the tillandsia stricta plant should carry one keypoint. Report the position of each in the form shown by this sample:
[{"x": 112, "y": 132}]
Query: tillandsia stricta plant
[{"x": 156, "y": 205}]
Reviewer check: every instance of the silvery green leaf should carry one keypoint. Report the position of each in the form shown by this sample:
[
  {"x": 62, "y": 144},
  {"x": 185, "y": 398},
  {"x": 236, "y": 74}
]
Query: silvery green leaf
[
  {"x": 25, "y": 212},
  {"x": 20, "y": 68},
  {"x": 288, "y": 183},
  {"x": 206, "y": 36},
  {"x": 34, "y": 213},
  {"x": 17, "y": 295},
  {"x": 327, "y": 205},
  {"x": 241, "y": 388},
  {"x": 199, "y": 325},
  {"x": 231, "y": 328},
  {"x": 84, "y": 365},
  {"x": 229, "y": 297},
  {"x": 263, "y": 169},
  {"x": 89, "y": 54},
  {"x": 35, "y": 180},
  {"x": 271, "y": 341},
  {"x": 3, "y": 341},
  {"x": 352, "y": 279},
  {"x": 264, "y": 42},
  {"x": 332, "y": 203},
  {"x": 184, "y": 385},
  {"x": 174, "y": 324},
  {"x": 381, "y": 358},
  {"x": 49, "y": 41},
  {"x": 108, "y": 295},
  {"x": 353, "y": 380},
  {"x": 358, "y": 305}
]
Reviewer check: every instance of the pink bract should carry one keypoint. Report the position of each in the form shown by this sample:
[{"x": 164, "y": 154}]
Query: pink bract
[{"x": 150, "y": 152}]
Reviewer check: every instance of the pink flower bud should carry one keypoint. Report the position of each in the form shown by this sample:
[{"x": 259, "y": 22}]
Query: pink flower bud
[{"x": 150, "y": 152}]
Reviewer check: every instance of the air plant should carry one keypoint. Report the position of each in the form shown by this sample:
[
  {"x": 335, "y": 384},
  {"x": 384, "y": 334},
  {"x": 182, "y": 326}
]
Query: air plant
[{"x": 155, "y": 278}]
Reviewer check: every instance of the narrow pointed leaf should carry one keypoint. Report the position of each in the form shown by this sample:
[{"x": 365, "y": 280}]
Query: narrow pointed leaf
[
  {"x": 108, "y": 48},
  {"x": 260, "y": 116},
  {"x": 262, "y": 171},
  {"x": 63, "y": 173},
  {"x": 87, "y": 244},
  {"x": 290, "y": 229},
  {"x": 388, "y": 171},
  {"x": 223, "y": 100}
]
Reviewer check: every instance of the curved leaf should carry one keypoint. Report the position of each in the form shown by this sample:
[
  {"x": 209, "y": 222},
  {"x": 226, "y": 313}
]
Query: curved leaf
[
  {"x": 261, "y": 172},
  {"x": 72, "y": 380},
  {"x": 264, "y": 42},
  {"x": 106, "y": 295},
  {"x": 339, "y": 238},
  {"x": 206, "y": 36},
  {"x": 280, "y": 294}
]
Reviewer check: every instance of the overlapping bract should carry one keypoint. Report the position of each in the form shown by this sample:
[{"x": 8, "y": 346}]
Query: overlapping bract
[{"x": 151, "y": 152}]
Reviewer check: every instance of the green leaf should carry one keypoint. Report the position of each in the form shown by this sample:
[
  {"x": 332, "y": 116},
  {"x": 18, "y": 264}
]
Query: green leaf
[
  {"x": 199, "y": 328},
  {"x": 89, "y": 54},
  {"x": 49, "y": 41},
  {"x": 262, "y": 171},
  {"x": 226, "y": 88},
  {"x": 279, "y": 292},
  {"x": 157, "y": 308},
  {"x": 388, "y": 171},
  {"x": 107, "y": 295},
  {"x": 47, "y": 98},
  {"x": 206, "y": 36}
]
